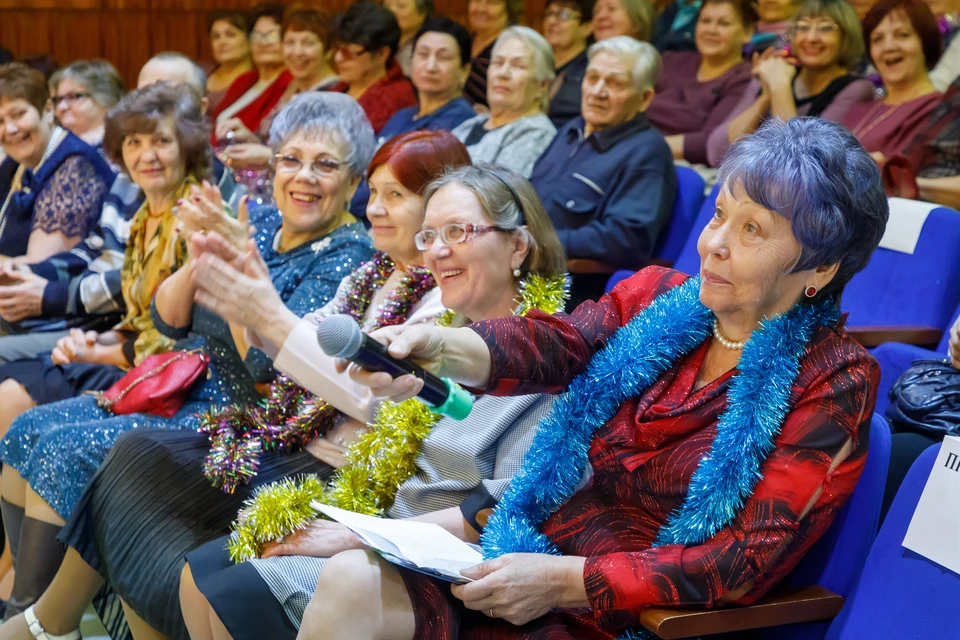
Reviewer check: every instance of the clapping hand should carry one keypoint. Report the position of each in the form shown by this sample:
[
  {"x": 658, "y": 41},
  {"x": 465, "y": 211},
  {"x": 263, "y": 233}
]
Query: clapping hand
[
  {"x": 202, "y": 212},
  {"x": 774, "y": 69}
]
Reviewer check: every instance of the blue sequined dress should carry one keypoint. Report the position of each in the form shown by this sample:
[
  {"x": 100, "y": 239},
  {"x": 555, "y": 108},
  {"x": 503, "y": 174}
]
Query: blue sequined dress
[{"x": 58, "y": 447}]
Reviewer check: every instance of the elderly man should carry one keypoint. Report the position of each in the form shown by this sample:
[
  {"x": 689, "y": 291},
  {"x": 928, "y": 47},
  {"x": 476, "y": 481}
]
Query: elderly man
[
  {"x": 80, "y": 289},
  {"x": 607, "y": 180}
]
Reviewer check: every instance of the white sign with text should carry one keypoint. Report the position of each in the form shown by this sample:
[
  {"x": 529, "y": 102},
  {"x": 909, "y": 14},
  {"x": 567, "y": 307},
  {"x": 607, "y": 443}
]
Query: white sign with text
[{"x": 934, "y": 530}]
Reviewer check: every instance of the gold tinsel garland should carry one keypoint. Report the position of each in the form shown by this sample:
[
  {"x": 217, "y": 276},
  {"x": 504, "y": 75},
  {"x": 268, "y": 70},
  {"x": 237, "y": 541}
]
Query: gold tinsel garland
[{"x": 378, "y": 462}]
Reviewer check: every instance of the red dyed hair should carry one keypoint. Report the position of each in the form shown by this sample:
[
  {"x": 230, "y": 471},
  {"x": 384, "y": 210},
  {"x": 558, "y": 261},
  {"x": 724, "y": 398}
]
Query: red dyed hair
[
  {"x": 919, "y": 15},
  {"x": 419, "y": 157}
]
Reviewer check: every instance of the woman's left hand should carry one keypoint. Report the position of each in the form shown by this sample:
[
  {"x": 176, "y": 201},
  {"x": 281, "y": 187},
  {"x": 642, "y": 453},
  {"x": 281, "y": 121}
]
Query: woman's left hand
[
  {"x": 775, "y": 72},
  {"x": 202, "y": 212},
  {"x": 520, "y": 587}
]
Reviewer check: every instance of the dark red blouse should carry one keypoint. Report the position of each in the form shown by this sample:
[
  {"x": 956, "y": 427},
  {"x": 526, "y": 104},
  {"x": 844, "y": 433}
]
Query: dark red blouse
[
  {"x": 644, "y": 458},
  {"x": 385, "y": 97}
]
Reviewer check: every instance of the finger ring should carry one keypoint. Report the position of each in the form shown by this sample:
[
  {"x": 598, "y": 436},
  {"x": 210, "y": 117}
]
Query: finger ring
[{"x": 492, "y": 614}]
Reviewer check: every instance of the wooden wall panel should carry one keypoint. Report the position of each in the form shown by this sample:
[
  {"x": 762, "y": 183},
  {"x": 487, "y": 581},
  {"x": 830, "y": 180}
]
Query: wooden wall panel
[{"x": 128, "y": 32}]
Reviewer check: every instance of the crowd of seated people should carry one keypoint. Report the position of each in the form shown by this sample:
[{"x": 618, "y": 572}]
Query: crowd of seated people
[{"x": 436, "y": 181}]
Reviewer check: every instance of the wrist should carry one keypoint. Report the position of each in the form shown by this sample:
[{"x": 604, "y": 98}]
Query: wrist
[
  {"x": 574, "y": 593},
  {"x": 274, "y": 328}
]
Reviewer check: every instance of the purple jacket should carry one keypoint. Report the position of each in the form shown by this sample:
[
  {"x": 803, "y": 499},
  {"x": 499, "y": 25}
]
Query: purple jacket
[
  {"x": 683, "y": 105},
  {"x": 860, "y": 90}
]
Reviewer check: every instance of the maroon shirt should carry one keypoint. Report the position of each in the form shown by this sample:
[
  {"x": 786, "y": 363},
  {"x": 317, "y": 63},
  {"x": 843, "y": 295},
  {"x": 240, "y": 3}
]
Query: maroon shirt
[
  {"x": 643, "y": 460},
  {"x": 684, "y": 105},
  {"x": 889, "y": 129},
  {"x": 385, "y": 97}
]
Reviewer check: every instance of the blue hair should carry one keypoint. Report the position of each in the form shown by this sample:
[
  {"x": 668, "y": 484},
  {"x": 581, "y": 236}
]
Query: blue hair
[{"x": 817, "y": 175}]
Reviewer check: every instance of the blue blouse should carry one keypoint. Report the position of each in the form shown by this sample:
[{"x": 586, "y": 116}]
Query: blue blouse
[
  {"x": 64, "y": 195},
  {"x": 306, "y": 278},
  {"x": 58, "y": 447}
]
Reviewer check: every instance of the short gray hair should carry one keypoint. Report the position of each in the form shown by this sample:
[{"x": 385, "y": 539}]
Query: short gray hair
[
  {"x": 542, "y": 53},
  {"x": 197, "y": 80},
  {"x": 646, "y": 59},
  {"x": 325, "y": 114},
  {"x": 98, "y": 77}
]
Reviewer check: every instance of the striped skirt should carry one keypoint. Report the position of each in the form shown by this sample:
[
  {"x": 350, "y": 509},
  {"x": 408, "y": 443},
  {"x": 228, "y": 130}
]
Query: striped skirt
[{"x": 149, "y": 505}]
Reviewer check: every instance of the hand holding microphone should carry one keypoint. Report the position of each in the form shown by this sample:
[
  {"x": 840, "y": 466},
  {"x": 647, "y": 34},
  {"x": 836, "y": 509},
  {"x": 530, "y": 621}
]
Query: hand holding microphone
[{"x": 392, "y": 376}]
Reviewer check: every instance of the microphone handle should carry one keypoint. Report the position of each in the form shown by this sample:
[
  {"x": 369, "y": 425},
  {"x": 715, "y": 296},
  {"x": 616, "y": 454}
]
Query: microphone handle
[{"x": 374, "y": 356}]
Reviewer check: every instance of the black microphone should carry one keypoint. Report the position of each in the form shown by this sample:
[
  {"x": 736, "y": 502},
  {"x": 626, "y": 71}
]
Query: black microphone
[{"x": 339, "y": 336}]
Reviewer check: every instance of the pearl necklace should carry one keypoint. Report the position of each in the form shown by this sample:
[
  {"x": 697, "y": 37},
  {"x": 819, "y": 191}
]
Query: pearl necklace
[{"x": 725, "y": 342}]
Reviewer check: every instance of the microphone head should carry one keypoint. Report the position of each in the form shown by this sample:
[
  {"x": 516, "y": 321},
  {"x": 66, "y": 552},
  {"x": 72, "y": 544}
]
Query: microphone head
[{"x": 339, "y": 336}]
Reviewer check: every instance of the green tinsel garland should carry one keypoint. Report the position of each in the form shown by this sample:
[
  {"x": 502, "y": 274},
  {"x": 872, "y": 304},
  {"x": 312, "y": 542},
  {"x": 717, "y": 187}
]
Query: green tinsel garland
[{"x": 378, "y": 462}]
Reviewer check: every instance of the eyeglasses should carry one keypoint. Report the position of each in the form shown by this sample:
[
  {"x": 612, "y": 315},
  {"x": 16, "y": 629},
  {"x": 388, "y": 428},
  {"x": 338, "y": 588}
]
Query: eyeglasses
[
  {"x": 453, "y": 233},
  {"x": 562, "y": 14},
  {"x": 319, "y": 166},
  {"x": 345, "y": 52},
  {"x": 265, "y": 37},
  {"x": 822, "y": 28},
  {"x": 68, "y": 98}
]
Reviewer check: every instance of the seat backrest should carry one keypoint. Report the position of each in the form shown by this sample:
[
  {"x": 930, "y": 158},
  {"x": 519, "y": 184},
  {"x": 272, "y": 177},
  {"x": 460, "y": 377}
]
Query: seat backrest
[
  {"x": 689, "y": 259},
  {"x": 903, "y": 289},
  {"x": 901, "y": 594},
  {"x": 837, "y": 558},
  {"x": 685, "y": 208}
]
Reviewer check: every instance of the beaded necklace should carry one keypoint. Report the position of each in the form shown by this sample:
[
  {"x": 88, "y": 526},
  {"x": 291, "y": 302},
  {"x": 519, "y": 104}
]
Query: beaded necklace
[{"x": 290, "y": 416}]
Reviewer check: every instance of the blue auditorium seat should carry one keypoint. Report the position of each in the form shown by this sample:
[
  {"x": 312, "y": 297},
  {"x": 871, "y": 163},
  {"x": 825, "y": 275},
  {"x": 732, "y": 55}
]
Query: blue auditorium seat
[
  {"x": 901, "y": 595},
  {"x": 690, "y": 215},
  {"x": 689, "y": 259},
  {"x": 902, "y": 289},
  {"x": 837, "y": 559},
  {"x": 689, "y": 198},
  {"x": 896, "y": 357}
]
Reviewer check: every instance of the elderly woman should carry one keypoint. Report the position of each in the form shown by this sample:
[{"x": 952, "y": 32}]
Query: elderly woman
[
  {"x": 81, "y": 94},
  {"x": 164, "y": 504},
  {"x": 368, "y": 36},
  {"x": 826, "y": 42},
  {"x": 440, "y": 63},
  {"x": 757, "y": 399},
  {"x": 254, "y": 94},
  {"x": 231, "y": 51},
  {"x": 903, "y": 42},
  {"x": 483, "y": 234},
  {"x": 632, "y": 18},
  {"x": 305, "y": 249},
  {"x": 158, "y": 134},
  {"x": 516, "y": 130},
  {"x": 698, "y": 90},
  {"x": 306, "y": 56},
  {"x": 51, "y": 183},
  {"x": 410, "y": 14},
  {"x": 487, "y": 19}
]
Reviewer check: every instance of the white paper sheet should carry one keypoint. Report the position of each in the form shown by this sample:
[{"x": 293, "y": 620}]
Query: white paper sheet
[
  {"x": 905, "y": 223},
  {"x": 934, "y": 530},
  {"x": 423, "y": 544}
]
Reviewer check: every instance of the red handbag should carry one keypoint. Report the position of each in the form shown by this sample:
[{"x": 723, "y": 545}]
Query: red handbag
[{"x": 157, "y": 386}]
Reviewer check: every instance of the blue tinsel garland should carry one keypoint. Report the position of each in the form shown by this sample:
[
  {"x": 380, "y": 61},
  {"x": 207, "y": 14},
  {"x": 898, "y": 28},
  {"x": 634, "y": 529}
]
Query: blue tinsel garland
[{"x": 634, "y": 358}]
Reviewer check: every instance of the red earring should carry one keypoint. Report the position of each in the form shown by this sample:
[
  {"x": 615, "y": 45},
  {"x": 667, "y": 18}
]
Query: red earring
[{"x": 810, "y": 291}]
